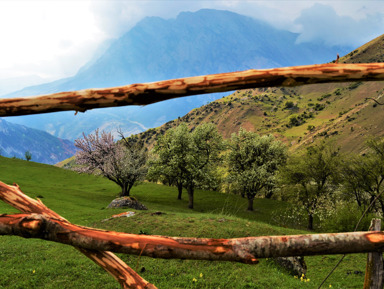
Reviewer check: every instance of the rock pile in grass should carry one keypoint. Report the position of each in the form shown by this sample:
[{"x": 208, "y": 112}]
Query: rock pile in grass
[{"x": 127, "y": 202}]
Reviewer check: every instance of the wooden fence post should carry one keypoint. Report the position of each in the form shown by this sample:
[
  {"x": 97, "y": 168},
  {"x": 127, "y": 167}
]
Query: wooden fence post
[{"x": 374, "y": 270}]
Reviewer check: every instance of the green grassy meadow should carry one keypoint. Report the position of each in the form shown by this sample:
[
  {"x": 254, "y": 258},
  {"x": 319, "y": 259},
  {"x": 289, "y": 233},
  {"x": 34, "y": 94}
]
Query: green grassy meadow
[{"x": 82, "y": 199}]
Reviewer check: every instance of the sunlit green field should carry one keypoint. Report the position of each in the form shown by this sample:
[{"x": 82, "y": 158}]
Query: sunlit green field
[{"x": 82, "y": 199}]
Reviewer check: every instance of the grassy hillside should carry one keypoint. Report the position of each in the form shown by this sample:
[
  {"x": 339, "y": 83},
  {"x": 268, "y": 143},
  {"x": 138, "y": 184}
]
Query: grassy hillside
[
  {"x": 369, "y": 52},
  {"x": 82, "y": 199},
  {"x": 299, "y": 116}
]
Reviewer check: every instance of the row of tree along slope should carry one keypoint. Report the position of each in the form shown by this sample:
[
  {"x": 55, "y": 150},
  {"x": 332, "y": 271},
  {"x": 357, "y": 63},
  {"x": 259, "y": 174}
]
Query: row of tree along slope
[{"x": 319, "y": 178}]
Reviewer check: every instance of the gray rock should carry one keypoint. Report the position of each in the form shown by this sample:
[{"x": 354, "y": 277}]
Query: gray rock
[
  {"x": 294, "y": 265},
  {"x": 127, "y": 202}
]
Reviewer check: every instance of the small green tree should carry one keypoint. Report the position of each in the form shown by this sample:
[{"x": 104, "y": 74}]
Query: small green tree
[
  {"x": 169, "y": 157},
  {"x": 312, "y": 175},
  {"x": 253, "y": 161},
  {"x": 187, "y": 158},
  {"x": 363, "y": 176},
  {"x": 28, "y": 156}
]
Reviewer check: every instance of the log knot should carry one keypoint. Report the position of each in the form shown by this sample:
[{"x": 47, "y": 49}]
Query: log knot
[{"x": 31, "y": 226}]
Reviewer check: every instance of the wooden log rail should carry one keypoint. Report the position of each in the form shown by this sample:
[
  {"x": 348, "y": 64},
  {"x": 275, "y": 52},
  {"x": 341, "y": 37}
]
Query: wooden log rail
[
  {"x": 244, "y": 250},
  {"x": 146, "y": 93}
]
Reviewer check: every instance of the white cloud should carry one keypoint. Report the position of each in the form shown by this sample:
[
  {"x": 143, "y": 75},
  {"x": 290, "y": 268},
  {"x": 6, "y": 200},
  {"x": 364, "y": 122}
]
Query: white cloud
[
  {"x": 50, "y": 38},
  {"x": 321, "y": 23},
  {"x": 55, "y": 38},
  {"x": 117, "y": 17}
]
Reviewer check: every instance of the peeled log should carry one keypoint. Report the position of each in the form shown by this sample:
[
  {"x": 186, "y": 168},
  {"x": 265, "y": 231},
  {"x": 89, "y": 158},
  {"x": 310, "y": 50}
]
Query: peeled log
[
  {"x": 245, "y": 250},
  {"x": 146, "y": 93}
]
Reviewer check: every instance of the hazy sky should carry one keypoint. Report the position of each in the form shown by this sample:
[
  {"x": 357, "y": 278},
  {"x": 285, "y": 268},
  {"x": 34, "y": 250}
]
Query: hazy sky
[{"x": 54, "y": 38}]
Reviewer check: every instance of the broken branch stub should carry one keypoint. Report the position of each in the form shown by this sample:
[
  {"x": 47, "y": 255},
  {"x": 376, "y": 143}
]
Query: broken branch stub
[{"x": 146, "y": 93}]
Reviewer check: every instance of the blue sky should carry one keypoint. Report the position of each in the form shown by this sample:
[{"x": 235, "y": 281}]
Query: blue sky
[{"x": 53, "y": 39}]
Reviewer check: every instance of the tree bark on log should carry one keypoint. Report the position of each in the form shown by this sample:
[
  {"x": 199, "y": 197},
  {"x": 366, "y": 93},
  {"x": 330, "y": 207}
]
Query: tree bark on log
[
  {"x": 146, "y": 93},
  {"x": 127, "y": 277},
  {"x": 244, "y": 250}
]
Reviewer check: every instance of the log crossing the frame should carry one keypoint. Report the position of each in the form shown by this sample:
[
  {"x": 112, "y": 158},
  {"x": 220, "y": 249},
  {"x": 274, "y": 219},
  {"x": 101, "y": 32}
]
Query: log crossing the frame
[
  {"x": 244, "y": 250},
  {"x": 147, "y": 93}
]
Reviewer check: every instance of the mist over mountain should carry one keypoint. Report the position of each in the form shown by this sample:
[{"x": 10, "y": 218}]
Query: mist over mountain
[
  {"x": 16, "y": 139},
  {"x": 194, "y": 43},
  {"x": 8, "y": 85}
]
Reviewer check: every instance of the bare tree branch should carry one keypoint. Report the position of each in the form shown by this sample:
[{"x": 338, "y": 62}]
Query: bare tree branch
[
  {"x": 379, "y": 103},
  {"x": 146, "y": 93}
]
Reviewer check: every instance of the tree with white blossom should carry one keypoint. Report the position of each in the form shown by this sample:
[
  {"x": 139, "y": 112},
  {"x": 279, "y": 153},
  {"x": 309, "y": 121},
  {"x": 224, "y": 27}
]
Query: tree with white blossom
[{"x": 122, "y": 162}]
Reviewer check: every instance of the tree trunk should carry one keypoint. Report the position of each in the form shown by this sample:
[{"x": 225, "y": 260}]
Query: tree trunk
[
  {"x": 357, "y": 199},
  {"x": 190, "y": 197},
  {"x": 381, "y": 205},
  {"x": 310, "y": 222},
  {"x": 125, "y": 189},
  {"x": 180, "y": 190},
  {"x": 268, "y": 194},
  {"x": 250, "y": 203}
]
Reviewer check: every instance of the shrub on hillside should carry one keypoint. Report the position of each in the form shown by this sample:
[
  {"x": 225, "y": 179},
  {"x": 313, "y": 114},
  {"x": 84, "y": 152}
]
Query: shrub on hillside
[
  {"x": 289, "y": 105},
  {"x": 344, "y": 218}
]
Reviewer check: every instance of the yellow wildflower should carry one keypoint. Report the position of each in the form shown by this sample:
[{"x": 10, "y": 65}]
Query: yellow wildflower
[
  {"x": 194, "y": 280},
  {"x": 201, "y": 275}
]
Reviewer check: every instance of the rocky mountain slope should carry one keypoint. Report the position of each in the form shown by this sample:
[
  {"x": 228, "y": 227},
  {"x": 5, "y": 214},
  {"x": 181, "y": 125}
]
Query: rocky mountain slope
[{"x": 16, "y": 139}]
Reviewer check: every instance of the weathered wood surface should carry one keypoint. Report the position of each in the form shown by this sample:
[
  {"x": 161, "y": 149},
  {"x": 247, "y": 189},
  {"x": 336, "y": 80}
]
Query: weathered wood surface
[
  {"x": 374, "y": 270},
  {"x": 244, "y": 250},
  {"x": 13, "y": 196},
  {"x": 146, "y": 93}
]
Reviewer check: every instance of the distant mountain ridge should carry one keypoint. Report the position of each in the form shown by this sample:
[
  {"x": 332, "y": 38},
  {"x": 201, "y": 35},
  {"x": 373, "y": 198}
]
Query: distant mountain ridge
[
  {"x": 16, "y": 139},
  {"x": 198, "y": 43},
  {"x": 203, "y": 42}
]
